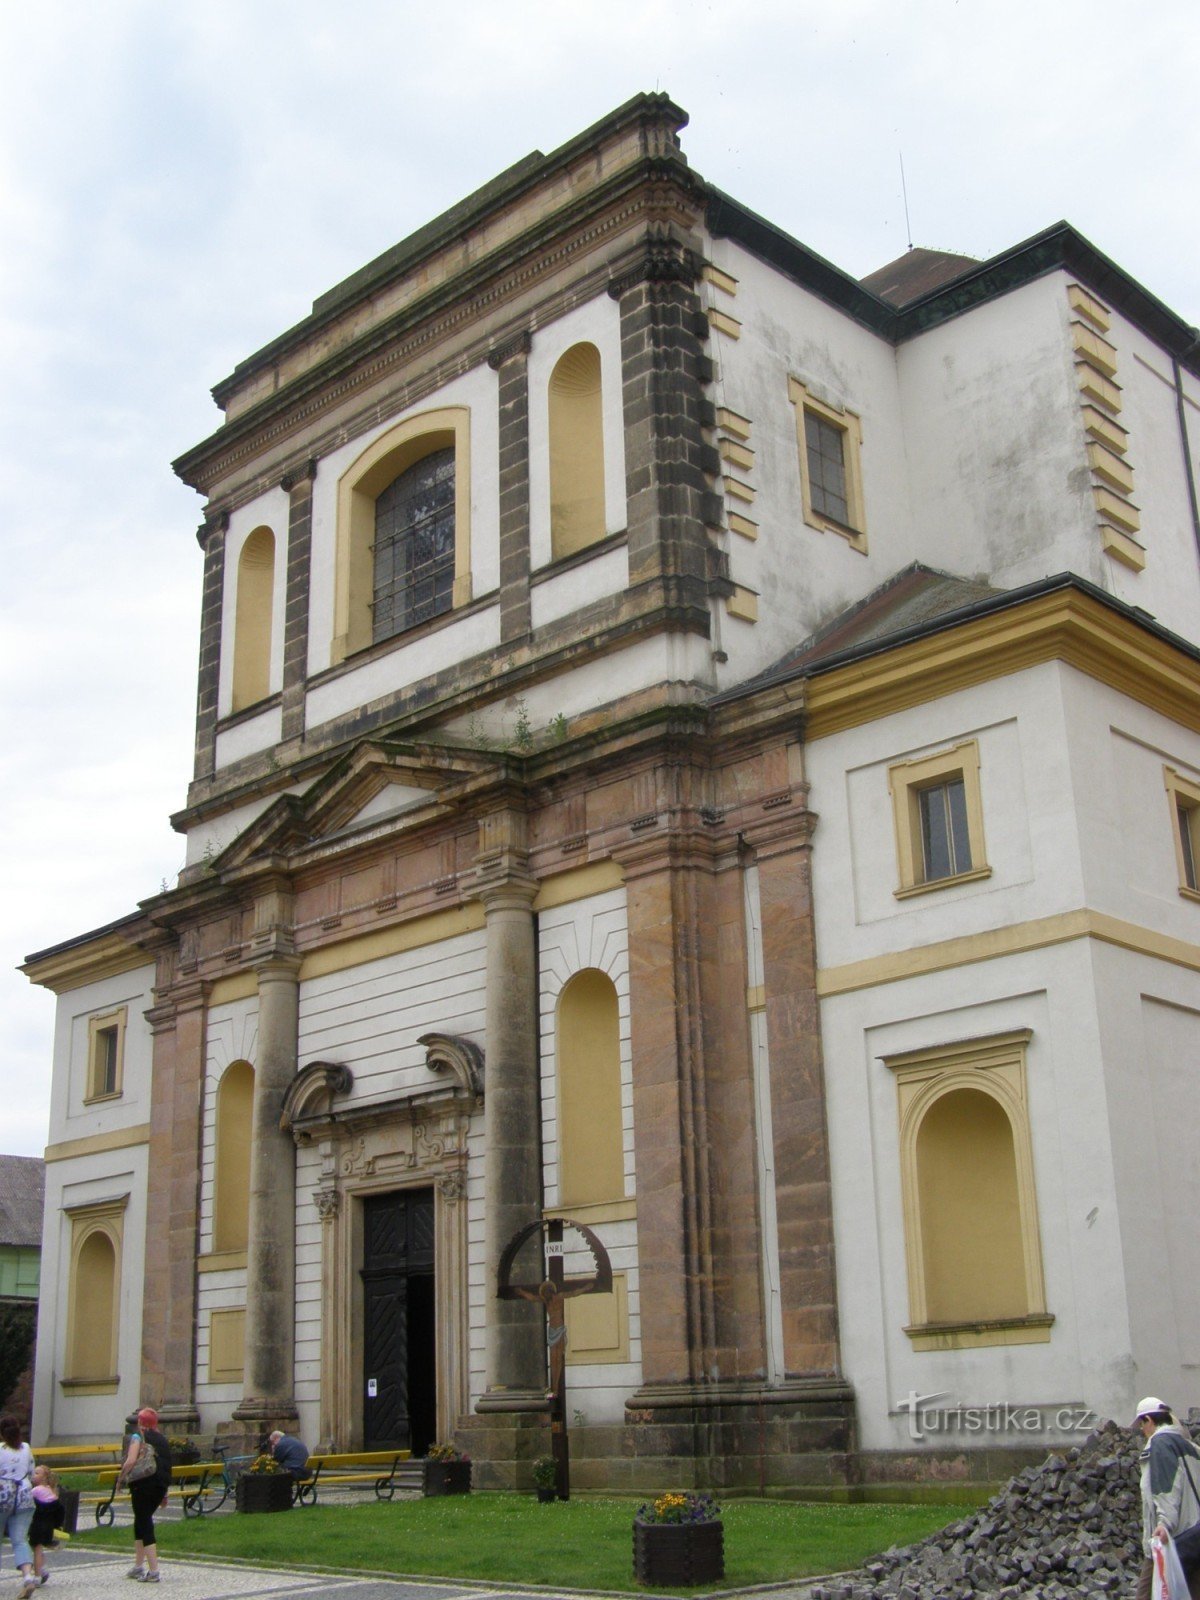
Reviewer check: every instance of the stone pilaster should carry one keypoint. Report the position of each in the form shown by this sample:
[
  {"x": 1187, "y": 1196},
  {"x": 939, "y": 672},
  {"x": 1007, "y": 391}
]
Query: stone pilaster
[
  {"x": 669, "y": 1112},
  {"x": 299, "y": 486},
  {"x": 664, "y": 370},
  {"x": 173, "y": 1203},
  {"x": 511, "y": 361},
  {"x": 516, "y": 1359},
  {"x": 271, "y": 1253},
  {"x": 211, "y": 537},
  {"x": 782, "y": 846}
]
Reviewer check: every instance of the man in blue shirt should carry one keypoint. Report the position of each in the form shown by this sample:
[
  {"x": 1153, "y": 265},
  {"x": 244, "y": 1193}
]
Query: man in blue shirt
[{"x": 291, "y": 1454}]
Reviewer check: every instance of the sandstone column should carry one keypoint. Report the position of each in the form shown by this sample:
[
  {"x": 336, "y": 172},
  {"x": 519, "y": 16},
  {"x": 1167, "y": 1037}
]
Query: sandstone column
[
  {"x": 516, "y": 1361},
  {"x": 271, "y": 1256}
]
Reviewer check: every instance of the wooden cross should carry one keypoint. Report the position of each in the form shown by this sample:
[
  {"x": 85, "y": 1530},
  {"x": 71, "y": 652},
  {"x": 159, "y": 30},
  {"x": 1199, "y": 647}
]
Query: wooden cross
[{"x": 553, "y": 1292}]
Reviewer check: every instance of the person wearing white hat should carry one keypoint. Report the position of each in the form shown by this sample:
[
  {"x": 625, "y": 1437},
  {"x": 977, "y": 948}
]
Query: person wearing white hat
[{"x": 1170, "y": 1480}]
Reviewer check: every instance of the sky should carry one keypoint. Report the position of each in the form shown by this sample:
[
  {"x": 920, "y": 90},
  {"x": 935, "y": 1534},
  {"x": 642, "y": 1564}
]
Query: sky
[{"x": 179, "y": 182}]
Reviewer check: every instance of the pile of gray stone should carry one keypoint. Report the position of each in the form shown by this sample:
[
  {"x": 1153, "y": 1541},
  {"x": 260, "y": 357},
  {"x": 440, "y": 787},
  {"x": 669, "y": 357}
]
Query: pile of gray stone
[{"x": 1069, "y": 1527}]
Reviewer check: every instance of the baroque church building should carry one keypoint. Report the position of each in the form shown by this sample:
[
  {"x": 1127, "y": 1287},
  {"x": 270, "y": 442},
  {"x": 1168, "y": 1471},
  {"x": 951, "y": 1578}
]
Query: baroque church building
[{"x": 692, "y": 744}]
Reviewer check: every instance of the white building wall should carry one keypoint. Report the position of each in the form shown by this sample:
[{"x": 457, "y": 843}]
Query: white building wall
[
  {"x": 308, "y": 1292},
  {"x": 803, "y": 576},
  {"x": 571, "y": 938},
  {"x": 1076, "y": 819}
]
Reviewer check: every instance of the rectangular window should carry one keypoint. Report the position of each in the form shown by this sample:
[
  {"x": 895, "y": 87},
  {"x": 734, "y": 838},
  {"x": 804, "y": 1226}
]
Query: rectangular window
[
  {"x": 1184, "y": 795},
  {"x": 945, "y": 837},
  {"x": 830, "y": 445},
  {"x": 106, "y": 1050},
  {"x": 938, "y": 817}
]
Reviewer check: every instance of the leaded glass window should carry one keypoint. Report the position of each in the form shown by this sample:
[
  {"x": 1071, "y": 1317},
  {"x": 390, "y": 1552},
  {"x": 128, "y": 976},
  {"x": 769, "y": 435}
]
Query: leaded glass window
[
  {"x": 826, "y": 468},
  {"x": 414, "y": 546}
]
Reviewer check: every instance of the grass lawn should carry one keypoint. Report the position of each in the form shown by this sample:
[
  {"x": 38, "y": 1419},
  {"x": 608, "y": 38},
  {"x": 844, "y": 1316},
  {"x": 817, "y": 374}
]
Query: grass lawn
[{"x": 510, "y": 1538}]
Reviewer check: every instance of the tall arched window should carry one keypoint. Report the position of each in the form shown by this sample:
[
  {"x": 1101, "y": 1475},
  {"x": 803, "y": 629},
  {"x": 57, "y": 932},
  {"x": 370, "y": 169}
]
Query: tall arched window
[
  {"x": 969, "y": 1200},
  {"x": 93, "y": 1301},
  {"x": 252, "y": 623},
  {"x": 403, "y": 530},
  {"x": 576, "y": 451},
  {"x": 231, "y": 1187},
  {"x": 970, "y": 1210},
  {"x": 414, "y": 546},
  {"x": 591, "y": 1148}
]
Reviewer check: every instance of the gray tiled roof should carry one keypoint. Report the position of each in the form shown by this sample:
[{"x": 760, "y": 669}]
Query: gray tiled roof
[{"x": 22, "y": 1197}]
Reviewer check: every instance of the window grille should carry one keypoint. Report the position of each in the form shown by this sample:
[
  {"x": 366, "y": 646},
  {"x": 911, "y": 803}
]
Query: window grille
[{"x": 414, "y": 546}]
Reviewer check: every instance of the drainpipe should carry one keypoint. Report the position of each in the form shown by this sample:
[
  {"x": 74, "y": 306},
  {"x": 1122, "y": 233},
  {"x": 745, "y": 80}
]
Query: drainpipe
[{"x": 1181, "y": 410}]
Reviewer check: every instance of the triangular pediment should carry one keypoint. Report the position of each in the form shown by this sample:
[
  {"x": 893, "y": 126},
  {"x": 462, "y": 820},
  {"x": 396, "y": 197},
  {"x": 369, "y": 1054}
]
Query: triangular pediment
[{"x": 377, "y": 784}]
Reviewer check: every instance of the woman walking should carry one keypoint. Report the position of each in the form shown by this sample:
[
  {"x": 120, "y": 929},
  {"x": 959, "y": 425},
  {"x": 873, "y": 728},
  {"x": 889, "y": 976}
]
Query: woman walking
[
  {"x": 16, "y": 1498},
  {"x": 146, "y": 1492}
]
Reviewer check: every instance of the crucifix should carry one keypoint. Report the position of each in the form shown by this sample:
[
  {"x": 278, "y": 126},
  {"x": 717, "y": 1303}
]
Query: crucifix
[{"x": 553, "y": 1292}]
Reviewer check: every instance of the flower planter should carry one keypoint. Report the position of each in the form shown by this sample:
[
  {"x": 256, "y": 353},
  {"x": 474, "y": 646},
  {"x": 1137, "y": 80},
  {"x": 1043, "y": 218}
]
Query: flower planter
[
  {"x": 678, "y": 1553},
  {"x": 546, "y": 1496},
  {"x": 264, "y": 1491},
  {"x": 447, "y": 1477}
]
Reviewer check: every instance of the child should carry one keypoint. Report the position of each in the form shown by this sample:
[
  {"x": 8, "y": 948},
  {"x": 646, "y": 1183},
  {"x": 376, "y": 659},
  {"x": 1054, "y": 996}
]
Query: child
[{"x": 48, "y": 1518}]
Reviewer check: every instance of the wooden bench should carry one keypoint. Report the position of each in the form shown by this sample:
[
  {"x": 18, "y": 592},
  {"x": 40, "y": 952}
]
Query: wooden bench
[
  {"x": 78, "y": 1457},
  {"x": 197, "y": 1480},
  {"x": 351, "y": 1469}
]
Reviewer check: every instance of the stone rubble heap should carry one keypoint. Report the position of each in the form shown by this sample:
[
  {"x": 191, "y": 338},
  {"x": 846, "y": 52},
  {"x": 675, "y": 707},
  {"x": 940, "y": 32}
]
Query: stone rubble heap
[{"x": 1072, "y": 1526}]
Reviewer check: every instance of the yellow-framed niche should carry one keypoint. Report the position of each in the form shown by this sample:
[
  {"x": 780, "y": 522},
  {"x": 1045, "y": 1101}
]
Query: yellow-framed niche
[
  {"x": 360, "y": 486},
  {"x": 937, "y": 808},
  {"x": 576, "y": 429},
  {"x": 972, "y": 1241},
  {"x": 226, "y": 1344},
  {"x": 253, "y": 612},
  {"x": 829, "y": 441},
  {"x": 94, "y": 1297},
  {"x": 106, "y": 1055},
  {"x": 1184, "y": 796},
  {"x": 233, "y": 1128}
]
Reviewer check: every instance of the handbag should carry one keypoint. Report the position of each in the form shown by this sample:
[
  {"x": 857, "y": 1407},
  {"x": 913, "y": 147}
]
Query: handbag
[
  {"x": 1187, "y": 1542},
  {"x": 16, "y": 1494},
  {"x": 146, "y": 1464}
]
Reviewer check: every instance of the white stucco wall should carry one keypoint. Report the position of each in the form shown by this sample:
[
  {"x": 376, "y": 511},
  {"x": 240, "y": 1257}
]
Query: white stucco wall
[{"x": 1076, "y": 820}]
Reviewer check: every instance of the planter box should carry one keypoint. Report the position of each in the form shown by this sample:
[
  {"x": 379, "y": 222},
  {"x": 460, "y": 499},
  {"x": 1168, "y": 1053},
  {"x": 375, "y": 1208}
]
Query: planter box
[
  {"x": 264, "y": 1491},
  {"x": 447, "y": 1477},
  {"x": 678, "y": 1553},
  {"x": 69, "y": 1499}
]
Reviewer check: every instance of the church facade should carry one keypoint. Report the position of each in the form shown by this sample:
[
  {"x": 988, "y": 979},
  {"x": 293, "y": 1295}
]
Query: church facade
[{"x": 693, "y": 746}]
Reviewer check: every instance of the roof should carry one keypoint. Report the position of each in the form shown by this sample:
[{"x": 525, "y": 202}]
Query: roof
[
  {"x": 909, "y": 602},
  {"x": 915, "y": 273},
  {"x": 22, "y": 1198}
]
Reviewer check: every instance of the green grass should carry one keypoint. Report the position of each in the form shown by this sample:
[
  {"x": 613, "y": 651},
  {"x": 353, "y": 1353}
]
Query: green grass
[{"x": 508, "y": 1538}]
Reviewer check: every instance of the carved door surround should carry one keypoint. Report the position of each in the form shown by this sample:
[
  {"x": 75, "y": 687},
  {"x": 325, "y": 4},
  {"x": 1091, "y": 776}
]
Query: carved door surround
[{"x": 412, "y": 1141}]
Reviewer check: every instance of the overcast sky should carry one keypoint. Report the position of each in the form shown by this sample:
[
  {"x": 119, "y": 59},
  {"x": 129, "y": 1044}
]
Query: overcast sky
[{"x": 178, "y": 182}]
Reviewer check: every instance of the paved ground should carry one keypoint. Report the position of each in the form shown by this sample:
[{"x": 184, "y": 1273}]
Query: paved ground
[{"x": 79, "y": 1574}]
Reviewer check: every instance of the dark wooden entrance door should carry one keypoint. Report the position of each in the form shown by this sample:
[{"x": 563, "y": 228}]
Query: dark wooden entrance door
[{"x": 399, "y": 1371}]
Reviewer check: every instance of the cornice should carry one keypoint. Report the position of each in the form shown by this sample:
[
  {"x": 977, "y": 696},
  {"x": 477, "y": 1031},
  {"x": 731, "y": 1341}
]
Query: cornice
[
  {"x": 644, "y": 195},
  {"x": 106, "y": 953},
  {"x": 1067, "y": 624}
]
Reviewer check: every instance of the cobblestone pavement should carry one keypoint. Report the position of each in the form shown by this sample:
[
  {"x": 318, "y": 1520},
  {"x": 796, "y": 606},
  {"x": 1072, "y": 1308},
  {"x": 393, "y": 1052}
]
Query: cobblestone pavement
[{"x": 80, "y": 1574}]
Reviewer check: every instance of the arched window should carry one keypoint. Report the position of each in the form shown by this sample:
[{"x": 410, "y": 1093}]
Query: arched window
[
  {"x": 403, "y": 530},
  {"x": 414, "y": 546},
  {"x": 970, "y": 1210},
  {"x": 93, "y": 1299},
  {"x": 231, "y": 1187},
  {"x": 252, "y": 622},
  {"x": 591, "y": 1147},
  {"x": 576, "y": 451}
]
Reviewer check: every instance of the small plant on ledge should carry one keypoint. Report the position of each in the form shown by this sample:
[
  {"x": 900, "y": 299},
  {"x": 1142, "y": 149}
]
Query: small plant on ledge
[{"x": 684, "y": 1507}]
